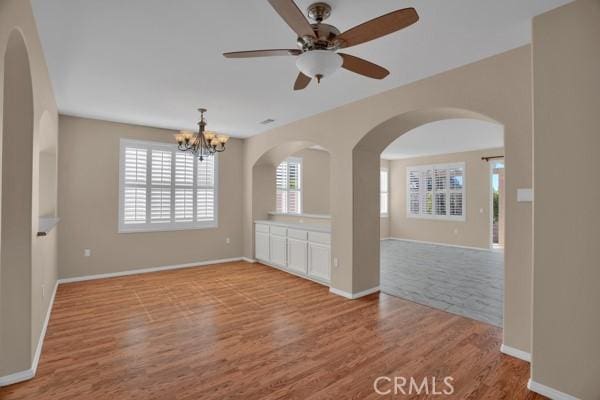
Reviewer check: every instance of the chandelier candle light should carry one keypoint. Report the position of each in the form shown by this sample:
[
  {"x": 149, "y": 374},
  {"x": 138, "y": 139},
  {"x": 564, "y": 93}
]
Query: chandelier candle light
[{"x": 204, "y": 143}]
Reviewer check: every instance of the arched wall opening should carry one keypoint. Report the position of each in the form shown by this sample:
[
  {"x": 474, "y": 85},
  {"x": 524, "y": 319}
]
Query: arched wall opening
[
  {"x": 436, "y": 245},
  {"x": 16, "y": 226},
  {"x": 366, "y": 191},
  {"x": 316, "y": 180}
]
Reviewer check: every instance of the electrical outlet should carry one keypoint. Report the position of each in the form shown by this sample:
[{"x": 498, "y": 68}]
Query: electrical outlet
[
  {"x": 87, "y": 252},
  {"x": 43, "y": 291},
  {"x": 456, "y": 231},
  {"x": 336, "y": 263},
  {"x": 227, "y": 241}
]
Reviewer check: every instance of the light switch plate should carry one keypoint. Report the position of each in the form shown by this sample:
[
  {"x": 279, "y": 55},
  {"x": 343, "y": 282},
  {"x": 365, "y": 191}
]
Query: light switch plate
[{"x": 524, "y": 195}]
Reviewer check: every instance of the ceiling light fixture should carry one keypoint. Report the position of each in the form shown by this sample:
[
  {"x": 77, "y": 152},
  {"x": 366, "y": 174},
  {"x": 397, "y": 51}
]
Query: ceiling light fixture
[
  {"x": 203, "y": 144},
  {"x": 319, "y": 63}
]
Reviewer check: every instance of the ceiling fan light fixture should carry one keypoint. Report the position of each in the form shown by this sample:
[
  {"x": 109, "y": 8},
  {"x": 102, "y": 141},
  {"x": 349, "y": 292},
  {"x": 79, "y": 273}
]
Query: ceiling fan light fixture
[{"x": 319, "y": 63}]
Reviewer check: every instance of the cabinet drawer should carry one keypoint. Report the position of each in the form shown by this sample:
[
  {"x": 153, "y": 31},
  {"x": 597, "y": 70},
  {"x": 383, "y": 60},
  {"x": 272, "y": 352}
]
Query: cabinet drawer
[
  {"x": 261, "y": 228},
  {"x": 318, "y": 237},
  {"x": 278, "y": 230},
  {"x": 297, "y": 234}
]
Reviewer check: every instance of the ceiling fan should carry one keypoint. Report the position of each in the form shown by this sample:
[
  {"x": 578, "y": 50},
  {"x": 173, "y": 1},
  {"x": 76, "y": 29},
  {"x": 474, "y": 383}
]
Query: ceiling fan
[{"x": 318, "y": 42}]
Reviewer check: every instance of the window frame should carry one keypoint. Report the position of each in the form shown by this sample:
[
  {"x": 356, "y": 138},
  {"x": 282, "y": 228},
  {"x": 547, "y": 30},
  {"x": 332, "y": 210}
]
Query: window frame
[
  {"x": 162, "y": 226},
  {"x": 300, "y": 162},
  {"x": 433, "y": 216},
  {"x": 386, "y": 193}
]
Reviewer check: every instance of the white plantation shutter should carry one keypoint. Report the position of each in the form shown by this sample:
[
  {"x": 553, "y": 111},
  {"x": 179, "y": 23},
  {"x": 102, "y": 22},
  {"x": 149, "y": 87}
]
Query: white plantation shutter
[
  {"x": 436, "y": 191},
  {"x": 135, "y": 176},
  {"x": 160, "y": 192},
  {"x": 288, "y": 182},
  {"x": 384, "y": 191},
  {"x": 162, "y": 188},
  {"x": 205, "y": 198}
]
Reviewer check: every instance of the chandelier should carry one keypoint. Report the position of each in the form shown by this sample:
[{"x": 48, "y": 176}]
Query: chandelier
[{"x": 202, "y": 144}]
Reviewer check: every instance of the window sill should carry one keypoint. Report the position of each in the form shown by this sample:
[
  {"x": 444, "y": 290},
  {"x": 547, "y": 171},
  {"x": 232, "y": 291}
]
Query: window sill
[
  {"x": 438, "y": 218},
  {"x": 123, "y": 230}
]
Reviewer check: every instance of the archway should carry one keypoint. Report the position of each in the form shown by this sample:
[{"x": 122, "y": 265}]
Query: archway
[
  {"x": 437, "y": 249},
  {"x": 365, "y": 172},
  {"x": 264, "y": 172},
  {"x": 16, "y": 227},
  {"x": 291, "y": 210}
]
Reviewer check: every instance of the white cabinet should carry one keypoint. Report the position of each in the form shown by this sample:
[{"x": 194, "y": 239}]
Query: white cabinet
[
  {"x": 297, "y": 255},
  {"x": 319, "y": 256},
  {"x": 278, "y": 248},
  {"x": 304, "y": 252},
  {"x": 261, "y": 246}
]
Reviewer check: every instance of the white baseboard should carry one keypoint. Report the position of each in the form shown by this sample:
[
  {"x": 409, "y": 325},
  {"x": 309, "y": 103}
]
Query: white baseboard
[
  {"x": 30, "y": 373},
  {"x": 442, "y": 244},
  {"x": 511, "y": 351},
  {"x": 354, "y": 296},
  {"x": 148, "y": 270},
  {"x": 386, "y": 238},
  {"x": 16, "y": 377},
  {"x": 548, "y": 391},
  {"x": 249, "y": 260}
]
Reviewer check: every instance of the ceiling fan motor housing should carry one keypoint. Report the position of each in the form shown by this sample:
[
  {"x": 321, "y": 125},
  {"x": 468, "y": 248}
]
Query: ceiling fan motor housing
[{"x": 319, "y": 11}]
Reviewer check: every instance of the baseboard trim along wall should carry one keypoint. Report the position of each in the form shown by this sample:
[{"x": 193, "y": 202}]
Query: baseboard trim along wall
[
  {"x": 30, "y": 373},
  {"x": 441, "y": 244},
  {"x": 149, "y": 270},
  {"x": 511, "y": 351},
  {"x": 354, "y": 296},
  {"x": 548, "y": 391},
  {"x": 249, "y": 260}
]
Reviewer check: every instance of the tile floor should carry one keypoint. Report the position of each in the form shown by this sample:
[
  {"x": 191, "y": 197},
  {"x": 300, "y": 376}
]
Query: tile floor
[{"x": 462, "y": 281}]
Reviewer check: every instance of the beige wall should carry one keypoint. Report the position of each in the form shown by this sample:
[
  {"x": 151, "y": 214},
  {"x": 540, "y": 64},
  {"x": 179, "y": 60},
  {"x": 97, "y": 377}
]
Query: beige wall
[
  {"x": 88, "y": 205},
  {"x": 566, "y": 301},
  {"x": 315, "y": 181},
  {"x": 475, "y": 231},
  {"x": 497, "y": 89},
  {"x": 28, "y": 115}
]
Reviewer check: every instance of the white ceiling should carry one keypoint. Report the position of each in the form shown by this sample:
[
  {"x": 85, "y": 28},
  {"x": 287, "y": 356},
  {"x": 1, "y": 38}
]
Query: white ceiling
[
  {"x": 153, "y": 62},
  {"x": 444, "y": 137}
]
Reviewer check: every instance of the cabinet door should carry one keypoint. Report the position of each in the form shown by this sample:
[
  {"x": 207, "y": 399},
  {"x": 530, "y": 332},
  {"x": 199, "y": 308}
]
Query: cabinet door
[
  {"x": 318, "y": 261},
  {"x": 261, "y": 246},
  {"x": 297, "y": 256},
  {"x": 278, "y": 250}
]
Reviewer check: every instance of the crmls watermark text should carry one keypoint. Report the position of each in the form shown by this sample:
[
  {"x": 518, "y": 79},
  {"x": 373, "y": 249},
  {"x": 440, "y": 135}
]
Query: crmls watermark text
[{"x": 400, "y": 385}]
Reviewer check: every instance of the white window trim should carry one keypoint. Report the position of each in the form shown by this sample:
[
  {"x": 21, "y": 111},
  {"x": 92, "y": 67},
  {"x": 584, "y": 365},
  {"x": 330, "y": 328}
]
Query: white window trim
[
  {"x": 463, "y": 217},
  {"x": 385, "y": 214},
  {"x": 300, "y": 162},
  {"x": 161, "y": 227}
]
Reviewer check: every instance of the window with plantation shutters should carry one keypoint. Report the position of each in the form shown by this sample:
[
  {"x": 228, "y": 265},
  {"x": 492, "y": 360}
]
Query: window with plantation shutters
[
  {"x": 384, "y": 197},
  {"x": 436, "y": 191},
  {"x": 162, "y": 188},
  {"x": 289, "y": 186}
]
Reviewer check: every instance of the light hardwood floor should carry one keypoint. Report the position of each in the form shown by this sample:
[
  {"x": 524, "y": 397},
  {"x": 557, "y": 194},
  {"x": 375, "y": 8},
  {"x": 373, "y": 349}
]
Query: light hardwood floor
[{"x": 247, "y": 331}]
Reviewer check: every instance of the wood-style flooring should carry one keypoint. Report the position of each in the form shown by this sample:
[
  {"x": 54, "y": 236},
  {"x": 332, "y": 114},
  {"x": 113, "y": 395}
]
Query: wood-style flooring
[{"x": 247, "y": 331}]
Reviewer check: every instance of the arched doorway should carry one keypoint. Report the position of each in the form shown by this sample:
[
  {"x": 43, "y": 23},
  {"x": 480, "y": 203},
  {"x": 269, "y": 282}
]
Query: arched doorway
[
  {"x": 436, "y": 248},
  {"x": 16, "y": 227},
  {"x": 366, "y": 181}
]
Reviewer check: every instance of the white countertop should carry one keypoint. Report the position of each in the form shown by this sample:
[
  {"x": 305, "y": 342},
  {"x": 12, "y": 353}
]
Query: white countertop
[
  {"x": 325, "y": 228},
  {"x": 310, "y": 216}
]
